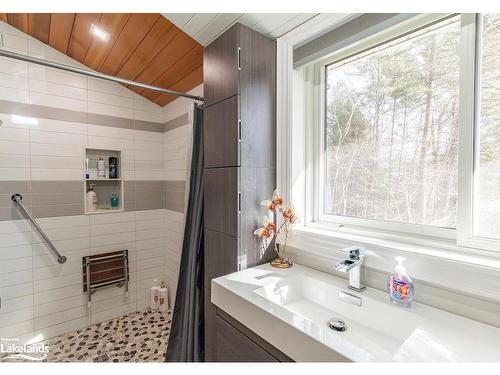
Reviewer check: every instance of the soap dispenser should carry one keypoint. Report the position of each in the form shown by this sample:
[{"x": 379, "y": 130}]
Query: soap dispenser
[{"x": 399, "y": 285}]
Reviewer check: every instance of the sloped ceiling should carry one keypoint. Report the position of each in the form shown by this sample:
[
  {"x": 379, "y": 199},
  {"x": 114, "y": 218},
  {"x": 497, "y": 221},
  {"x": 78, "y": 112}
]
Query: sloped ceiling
[
  {"x": 205, "y": 27},
  {"x": 144, "y": 47}
]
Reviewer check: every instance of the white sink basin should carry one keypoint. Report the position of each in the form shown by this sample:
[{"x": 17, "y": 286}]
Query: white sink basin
[
  {"x": 315, "y": 300},
  {"x": 290, "y": 309}
]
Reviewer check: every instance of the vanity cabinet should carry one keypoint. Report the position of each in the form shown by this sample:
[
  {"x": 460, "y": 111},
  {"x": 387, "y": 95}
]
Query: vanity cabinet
[
  {"x": 236, "y": 343},
  {"x": 233, "y": 346},
  {"x": 239, "y": 156}
]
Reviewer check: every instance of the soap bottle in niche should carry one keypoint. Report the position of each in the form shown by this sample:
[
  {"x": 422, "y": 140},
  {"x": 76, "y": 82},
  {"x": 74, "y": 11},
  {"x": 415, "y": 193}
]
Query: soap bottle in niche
[
  {"x": 155, "y": 295},
  {"x": 101, "y": 168},
  {"x": 115, "y": 201},
  {"x": 91, "y": 199},
  {"x": 399, "y": 285},
  {"x": 163, "y": 301},
  {"x": 113, "y": 167}
]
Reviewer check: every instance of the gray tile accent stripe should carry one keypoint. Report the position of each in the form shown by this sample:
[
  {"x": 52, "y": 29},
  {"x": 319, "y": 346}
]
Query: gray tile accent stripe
[
  {"x": 10, "y": 187},
  {"x": 7, "y": 210},
  {"x": 111, "y": 121},
  {"x": 149, "y": 195},
  {"x": 42, "y": 198},
  {"x": 66, "y": 198},
  {"x": 150, "y": 126},
  {"x": 53, "y": 113},
  {"x": 176, "y": 122},
  {"x": 59, "y": 210},
  {"x": 6, "y": 199},
  {"x": 175, "y": 185},
  {"x": 55, "y": 199},
  {"x": 14, "y": 108},
  {"x": 175, "y": 195},
  {"x": 56, "y": 186}
]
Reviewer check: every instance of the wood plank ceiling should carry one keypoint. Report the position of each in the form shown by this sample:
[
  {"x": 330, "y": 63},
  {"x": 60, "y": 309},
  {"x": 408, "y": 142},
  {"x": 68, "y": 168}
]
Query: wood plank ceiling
[{"x": 144, "y": 47}]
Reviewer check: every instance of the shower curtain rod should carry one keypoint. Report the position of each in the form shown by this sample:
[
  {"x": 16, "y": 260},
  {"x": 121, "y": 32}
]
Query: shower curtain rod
[{"x": 106, "y": 77}]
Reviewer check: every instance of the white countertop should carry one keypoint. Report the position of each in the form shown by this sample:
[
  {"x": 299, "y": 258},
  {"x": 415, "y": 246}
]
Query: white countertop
[{"x": 290, "y": 308}]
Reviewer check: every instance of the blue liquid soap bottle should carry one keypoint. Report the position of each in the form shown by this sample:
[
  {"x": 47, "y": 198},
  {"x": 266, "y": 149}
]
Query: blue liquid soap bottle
[{"x": 400, "y": 286}]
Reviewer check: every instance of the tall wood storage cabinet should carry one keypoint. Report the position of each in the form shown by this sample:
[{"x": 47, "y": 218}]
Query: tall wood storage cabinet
[{"x": 239, "y": 144}]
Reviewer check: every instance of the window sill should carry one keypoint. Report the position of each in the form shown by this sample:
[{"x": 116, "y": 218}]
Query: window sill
[{"x": 441, "y": 264}]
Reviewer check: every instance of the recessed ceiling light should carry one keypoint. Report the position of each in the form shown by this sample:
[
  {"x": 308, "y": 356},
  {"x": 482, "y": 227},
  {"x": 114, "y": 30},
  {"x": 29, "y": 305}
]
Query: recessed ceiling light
[{"x": 98, "y": 32}]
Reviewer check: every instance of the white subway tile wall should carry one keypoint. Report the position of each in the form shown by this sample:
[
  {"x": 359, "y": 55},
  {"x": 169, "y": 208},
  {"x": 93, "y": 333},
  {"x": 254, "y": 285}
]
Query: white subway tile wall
[{"x": 41, "y": 298}]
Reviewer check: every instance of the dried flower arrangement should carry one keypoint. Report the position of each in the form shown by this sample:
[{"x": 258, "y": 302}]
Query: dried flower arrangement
[{"x": 280, "y": 231}]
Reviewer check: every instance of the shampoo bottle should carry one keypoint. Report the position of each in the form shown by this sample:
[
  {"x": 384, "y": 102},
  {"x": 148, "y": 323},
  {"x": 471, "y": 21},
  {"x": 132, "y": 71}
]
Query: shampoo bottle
[
  {"x": 155, "y": 295},
  {"x": 399, "y": 285},
  {"x": 163, "y": 300},
  {"x": 91, "y": 199},
  {"x": 113, "y": 167},
  {"x": 101, "y": 168}
]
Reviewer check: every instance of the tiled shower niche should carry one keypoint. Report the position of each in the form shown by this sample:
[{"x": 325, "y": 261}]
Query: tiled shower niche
[{"x": 105, "y": 187}]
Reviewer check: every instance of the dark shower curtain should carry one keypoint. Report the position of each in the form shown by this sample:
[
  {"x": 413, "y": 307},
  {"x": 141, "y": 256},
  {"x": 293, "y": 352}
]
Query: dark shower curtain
[{"x": 186, "y": 342}]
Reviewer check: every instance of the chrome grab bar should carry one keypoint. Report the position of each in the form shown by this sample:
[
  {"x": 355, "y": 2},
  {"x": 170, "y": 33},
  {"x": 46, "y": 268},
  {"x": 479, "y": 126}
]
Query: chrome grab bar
[{"x": 18, "y": 198}]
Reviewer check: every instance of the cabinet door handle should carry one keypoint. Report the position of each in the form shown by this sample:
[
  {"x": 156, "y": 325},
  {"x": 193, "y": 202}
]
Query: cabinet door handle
[
  {"x": 239, "y": 201},
  {"x": 239, "y": 58},
  {"x": 239, "y": 130}
]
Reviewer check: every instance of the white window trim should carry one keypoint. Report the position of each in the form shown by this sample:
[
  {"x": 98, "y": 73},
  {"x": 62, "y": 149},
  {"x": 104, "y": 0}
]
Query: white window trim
[
  {"x": 469, "y": 118},
  {"x": 468, "y": 268}
]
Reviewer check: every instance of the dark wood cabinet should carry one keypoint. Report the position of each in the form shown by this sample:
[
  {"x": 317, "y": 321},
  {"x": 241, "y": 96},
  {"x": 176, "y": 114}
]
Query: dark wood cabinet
[
  {"x": 240, "y": 99},
  {"x": 236, "y": 343},
  {"x": 256, "y": 184},
  {"x": 239, "y": 157},
  {"x": 222, "y": 248},
  {"x": 210, "y": 329},
  {"x": 222, "y": 134},
  {"x": 233, "y": 346},
  {"x": 222, "y": 200},
  {"x": 220, "y": 67}
]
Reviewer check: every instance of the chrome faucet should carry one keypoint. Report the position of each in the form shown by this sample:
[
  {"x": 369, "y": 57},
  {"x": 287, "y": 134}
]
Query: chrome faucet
[{"x": 355, "y": 265}]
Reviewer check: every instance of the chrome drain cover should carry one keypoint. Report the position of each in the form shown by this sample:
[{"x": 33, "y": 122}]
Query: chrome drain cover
[{"x": 336, "y": 324}]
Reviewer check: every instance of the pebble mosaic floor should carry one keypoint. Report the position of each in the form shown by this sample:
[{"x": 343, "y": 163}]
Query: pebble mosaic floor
[{"x": 137, "y": 337}]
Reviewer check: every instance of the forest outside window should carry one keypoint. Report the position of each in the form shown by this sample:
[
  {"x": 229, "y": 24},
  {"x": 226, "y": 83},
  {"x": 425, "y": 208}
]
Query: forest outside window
[{"x": 387, "y": 143}]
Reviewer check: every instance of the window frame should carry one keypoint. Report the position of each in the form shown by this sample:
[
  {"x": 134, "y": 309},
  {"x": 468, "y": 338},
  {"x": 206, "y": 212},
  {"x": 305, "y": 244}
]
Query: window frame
[
  {"x": 469, "y": 107},
  {"x": 314, "y": 76}
]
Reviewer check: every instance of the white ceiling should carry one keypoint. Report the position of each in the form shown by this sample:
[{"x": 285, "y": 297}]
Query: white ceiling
[{"x": 205, "y": 27}]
